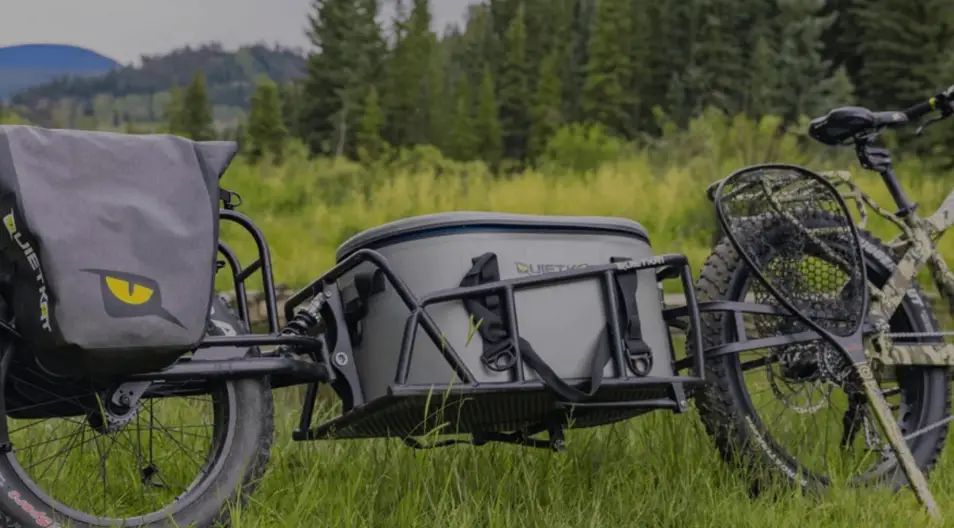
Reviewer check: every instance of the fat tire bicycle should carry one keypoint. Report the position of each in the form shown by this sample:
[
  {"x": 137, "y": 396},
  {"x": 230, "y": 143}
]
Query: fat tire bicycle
[{"x": 515, "y": 394}]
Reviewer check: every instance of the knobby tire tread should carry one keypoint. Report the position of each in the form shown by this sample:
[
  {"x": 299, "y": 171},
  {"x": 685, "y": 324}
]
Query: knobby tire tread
[{"x": 722, "y": 410}]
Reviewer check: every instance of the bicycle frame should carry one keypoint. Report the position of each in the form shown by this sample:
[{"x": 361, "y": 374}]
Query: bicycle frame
[{"x": 918, "y": 241}]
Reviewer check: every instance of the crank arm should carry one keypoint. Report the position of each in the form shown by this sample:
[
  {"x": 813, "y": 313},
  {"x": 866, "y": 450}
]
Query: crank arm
[{"x": 895, "y": 437}]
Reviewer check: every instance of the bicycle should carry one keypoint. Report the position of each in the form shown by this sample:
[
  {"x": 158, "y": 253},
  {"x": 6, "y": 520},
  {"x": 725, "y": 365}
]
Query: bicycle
[
  {"x": 903, "y": 338},
  {"x": 487, "y": 290}
]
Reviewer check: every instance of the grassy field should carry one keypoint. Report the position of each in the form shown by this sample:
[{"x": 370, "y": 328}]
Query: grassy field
[
  {"x": 308, "y": 208},
  {"x": 657, "y": 470}
]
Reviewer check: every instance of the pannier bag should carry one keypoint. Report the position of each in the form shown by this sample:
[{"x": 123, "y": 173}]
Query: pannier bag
[
  {"x": 112, "y": 243},
  {"x": 562, "y": 327}
]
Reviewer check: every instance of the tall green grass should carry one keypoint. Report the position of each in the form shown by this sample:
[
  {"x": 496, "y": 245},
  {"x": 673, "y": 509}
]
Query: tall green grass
[
  {"x": 307, "y": 208},
  {"x": 658, "y": 470},
  {"x": 655, "y": 470}
]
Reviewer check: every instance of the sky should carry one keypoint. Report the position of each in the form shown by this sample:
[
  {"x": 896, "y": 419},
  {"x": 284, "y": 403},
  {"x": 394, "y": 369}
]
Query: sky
[{"x": 126, "y": 29}]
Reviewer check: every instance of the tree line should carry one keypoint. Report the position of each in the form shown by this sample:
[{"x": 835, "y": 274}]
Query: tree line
[{"x": 498, "y": 87}]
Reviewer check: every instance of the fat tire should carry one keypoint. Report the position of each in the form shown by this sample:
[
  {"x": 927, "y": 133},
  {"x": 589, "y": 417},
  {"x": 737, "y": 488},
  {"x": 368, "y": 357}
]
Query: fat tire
[
  {"x": 243, "y": 468},
  {"x": 722, "y": 404}
]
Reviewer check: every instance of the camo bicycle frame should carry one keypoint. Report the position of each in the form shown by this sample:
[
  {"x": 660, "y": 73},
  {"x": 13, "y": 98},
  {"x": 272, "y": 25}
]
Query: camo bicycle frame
[{"x": 915, "y": 247}]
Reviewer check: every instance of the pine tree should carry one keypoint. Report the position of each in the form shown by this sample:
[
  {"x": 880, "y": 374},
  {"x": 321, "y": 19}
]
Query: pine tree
[
  {"x": 720, "y": 56},
  {"x": 196, "y": 119},
  {"x": 346, "y": 61},
  {"x": 805, "y": 85},
  {"x": 574, "y": 76},
  {"x": 637, "y": 47},
  {"x": 754, "y": 92},
  {"x": 266, "y": 129},
  {"x": 241, "y": 137},
  {"x": 901, "y": 45},
  {"x": 438, "y": 102},
  {"x": 546, "y": 112},
  {"x": 762, "y": 92},
  {"x": 291, "y": 98},
  {"x": 173, "y": 112},
  {"x": 409, "y": 80},
  {"x": 501, "y": 14},
  {"x": 842, "y": 39},
  {"x": 371, "y": 145},
  {"x": 515, "y": 95},
  {"x": 606, "y": 98},
  {"x": 473, "y": 47},
  {"x": 462, "y": 144},
  {"x": 548, "y": 24},
  {"x": 487, "y": 122}
]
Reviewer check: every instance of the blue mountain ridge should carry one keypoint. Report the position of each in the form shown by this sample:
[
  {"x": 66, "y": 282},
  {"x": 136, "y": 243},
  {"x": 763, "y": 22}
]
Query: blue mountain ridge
[
  {"x": 53, "y": 57},
  {"x": 27, "y": 65}
]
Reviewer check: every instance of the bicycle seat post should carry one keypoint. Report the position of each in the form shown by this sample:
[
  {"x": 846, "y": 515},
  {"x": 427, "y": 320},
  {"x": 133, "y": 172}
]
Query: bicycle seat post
[{"x": 878, "y": 159}]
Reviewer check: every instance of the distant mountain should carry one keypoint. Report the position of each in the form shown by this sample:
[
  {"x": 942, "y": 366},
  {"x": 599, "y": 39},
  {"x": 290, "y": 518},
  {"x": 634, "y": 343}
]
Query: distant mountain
[
  {"x": 31, "y": 64},
  {"x": 230, "y": 77}
]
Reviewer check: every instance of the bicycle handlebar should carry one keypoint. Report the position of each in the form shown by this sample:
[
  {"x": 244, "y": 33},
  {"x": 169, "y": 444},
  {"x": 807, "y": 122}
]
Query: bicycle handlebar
[{"x": 942, "y": 101}]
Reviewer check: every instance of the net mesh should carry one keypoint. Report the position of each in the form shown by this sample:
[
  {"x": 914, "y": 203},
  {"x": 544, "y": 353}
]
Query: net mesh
[{"x": 798, "y": 234}]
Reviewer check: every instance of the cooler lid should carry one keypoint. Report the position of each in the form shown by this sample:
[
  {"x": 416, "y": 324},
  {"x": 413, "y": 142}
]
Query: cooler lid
[{"x": 462, "y": 221}]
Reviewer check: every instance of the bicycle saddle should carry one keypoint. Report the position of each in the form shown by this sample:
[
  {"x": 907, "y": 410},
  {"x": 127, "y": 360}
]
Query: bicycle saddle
[{"x": 848, "y": 121}]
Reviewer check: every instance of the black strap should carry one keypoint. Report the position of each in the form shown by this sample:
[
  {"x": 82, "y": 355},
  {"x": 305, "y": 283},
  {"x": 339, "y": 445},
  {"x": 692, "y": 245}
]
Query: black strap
[
  {"x": 638, "y": 352},
  {"x": 355, "y": 300},
  {"x": 498, "y": 347}
]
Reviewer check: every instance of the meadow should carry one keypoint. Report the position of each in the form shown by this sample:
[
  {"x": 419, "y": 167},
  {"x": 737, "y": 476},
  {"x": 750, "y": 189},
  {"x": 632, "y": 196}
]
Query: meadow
[
  {"x": 307, "y": 208},
  {"x": 657, "y": 470}
]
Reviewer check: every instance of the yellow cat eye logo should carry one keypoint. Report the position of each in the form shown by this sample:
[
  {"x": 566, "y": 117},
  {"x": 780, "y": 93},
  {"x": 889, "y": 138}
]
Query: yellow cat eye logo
[
  {"x": 129, "y": 295},
  {"x": 128, "y": 292}
]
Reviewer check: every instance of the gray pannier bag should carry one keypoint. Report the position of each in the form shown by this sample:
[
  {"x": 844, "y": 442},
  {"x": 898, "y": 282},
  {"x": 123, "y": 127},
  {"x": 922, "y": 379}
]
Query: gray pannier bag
[{"x": 111, "y": 243}]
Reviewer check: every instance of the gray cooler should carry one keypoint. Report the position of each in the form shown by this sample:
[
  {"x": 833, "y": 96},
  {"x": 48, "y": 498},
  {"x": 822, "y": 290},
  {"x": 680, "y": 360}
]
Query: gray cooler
[{"x": 564, "y": 323}]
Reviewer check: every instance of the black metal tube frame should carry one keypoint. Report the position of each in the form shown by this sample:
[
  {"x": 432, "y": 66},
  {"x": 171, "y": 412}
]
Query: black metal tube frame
[
  {"x": 667, "y": 266},
  {"x": 290, "y": 368},
  {"x": 296, "y": 371}
]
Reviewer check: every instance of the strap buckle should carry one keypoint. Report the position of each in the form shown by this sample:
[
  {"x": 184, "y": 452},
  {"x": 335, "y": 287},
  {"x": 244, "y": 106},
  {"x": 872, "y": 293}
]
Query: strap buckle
[
  {"x": 500, "y": 358},
  {"x": 639, "y": 357},
  {"x": 230, "y": 199},
  {"x": 639, "y": 362}
]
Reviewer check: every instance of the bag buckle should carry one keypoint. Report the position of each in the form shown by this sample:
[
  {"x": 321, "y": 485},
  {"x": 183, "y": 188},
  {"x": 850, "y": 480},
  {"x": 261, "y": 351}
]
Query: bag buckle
[
  {"x": 230, "y": 199},
  {"x": 639, "y": 357},
  {"x": 640, "y": 362},
  {"x": 500, "y": 358}
]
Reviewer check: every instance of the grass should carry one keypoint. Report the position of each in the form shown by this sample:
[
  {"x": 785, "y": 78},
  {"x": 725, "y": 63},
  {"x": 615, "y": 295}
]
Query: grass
[
  {"x": 656, "y": 470},
  {"x": 308, "y": 208}
]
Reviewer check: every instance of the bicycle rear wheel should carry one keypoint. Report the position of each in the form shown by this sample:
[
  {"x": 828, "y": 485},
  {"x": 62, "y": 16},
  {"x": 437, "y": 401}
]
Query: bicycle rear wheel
[
  {"x": 70, "y": 467},
  {"x": 786, "y": 412}
]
